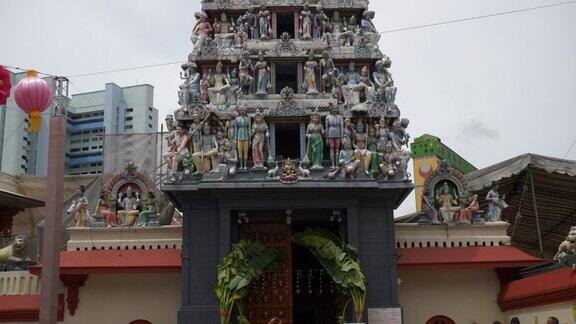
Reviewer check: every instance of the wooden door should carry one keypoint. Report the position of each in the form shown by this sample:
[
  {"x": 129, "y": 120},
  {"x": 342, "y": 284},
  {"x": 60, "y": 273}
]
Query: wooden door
[
  {"x": 440, "y": 320},
  {"x": 272, "y": 295}
]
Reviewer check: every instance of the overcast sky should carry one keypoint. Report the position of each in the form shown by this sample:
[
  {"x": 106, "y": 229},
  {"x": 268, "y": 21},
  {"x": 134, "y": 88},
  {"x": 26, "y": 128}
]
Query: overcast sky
[{"x": 491, "y": 89}]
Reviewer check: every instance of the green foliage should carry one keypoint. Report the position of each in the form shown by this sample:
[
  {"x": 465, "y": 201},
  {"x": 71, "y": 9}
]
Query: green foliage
[
  {"x": 246, "y": 263},
  {"x": 340, "y": 260}
]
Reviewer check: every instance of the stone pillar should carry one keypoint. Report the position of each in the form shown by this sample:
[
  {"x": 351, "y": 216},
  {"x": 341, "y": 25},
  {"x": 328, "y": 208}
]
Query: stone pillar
[
  {"x": 274, "y": 23},
  {"x": 296, "y": 25},
  {"x": 202, "y": 246},
  {"x": 272, "y": 130},
  {"x": 302, "y": 140},
  {"x": 273, "y": 77},
  {"x": 300, "y": 78}
]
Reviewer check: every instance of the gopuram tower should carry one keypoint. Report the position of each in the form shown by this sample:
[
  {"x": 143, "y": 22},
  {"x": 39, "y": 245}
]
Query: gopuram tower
[{"x": 286, "y": 121}]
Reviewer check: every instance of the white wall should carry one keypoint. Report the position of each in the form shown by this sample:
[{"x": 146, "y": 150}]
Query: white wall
[
  {"x": 564, "y": 312},
  {"x": 466, "y": 296}
]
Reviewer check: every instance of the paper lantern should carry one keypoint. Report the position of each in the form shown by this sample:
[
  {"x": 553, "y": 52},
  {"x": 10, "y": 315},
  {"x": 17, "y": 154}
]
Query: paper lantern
[
  {"x": 33, "y": 95},
  {"x": 5, "y": 85}
]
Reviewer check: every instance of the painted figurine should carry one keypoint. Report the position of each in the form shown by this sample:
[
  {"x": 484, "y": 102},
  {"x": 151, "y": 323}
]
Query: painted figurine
[
  {"x": 327, "y": 69},
  {"x": 176, "y": 154},
  {"x": 220, "y": 86},
  {"x": 242, "y": 129},
  {"x": 201, "y": 33},
  {"x": 306, "y": 22},
  {"x": 104, "y": 209},
  {"x": 368, "y": 29},
  {"x": 383, "y": 80},
  {"x": 361, "y": 151},
  {"x": 448, "y": 204},
  {"x": 314, "y": 133},
  {"x": 320, "y": 23},
  {"x": 334, "y": 133},
  {"x": 129, "y": 202},
  {"x": 264, "y": 22},
  {"x": 310, "y": 68},
  {"x": 260, "y": 137},
  {"x": 79, "y": 208},
  {"x": 191, "y": 85},
  {"x": 228, "y": 160},
  {"x": 495, "y": 204},
  {"x": 206, "y": 159},
  {"x": 245, "y": 73},
  {"x": 149, "y": 210},
  {"x": 263, "y": 71}
]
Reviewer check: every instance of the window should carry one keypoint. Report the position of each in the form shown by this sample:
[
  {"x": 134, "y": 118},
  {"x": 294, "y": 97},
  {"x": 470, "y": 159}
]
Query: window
[
  {"x": 285, "y": 23},
  {"x": 149, "y": 117},
  {"x": 128, "y": 127},
  {"x": 76, "y": 133},
  {"x": 85, "y": 148},
  {"x": 86, "y": 140},
  {"x": 95, "y": 139},
  {"x": 129, "y": 118},
  {"x": 75, "y": 141},
  {"x": 94, "y": 147},
  {"x": 75, "y": 150},
  {"x": 129, "y": 110},
  {"x": 150, "y": 125}
]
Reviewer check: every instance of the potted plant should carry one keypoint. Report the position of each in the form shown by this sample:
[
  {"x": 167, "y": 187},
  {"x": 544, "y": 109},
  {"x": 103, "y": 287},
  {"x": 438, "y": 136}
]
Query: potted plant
[{"x": 340, "y": 260}]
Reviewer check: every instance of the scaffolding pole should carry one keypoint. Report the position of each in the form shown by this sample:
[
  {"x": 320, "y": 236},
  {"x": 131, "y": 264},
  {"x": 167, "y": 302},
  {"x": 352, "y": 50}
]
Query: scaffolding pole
[{"x": 536, "y": 215}]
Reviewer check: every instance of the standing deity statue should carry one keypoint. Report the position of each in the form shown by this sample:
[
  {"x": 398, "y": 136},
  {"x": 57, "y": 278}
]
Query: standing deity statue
[
  {"x": 191, "y": 86},
  {"x": 383, "y": 134},
  {"x": 428, "y": 207},
  {"x": 449, "y": 204},
  {"x": 80, "y": 208},
  {"x": 206, "y": 159},
  {"x": 334, "y": 133},
  {"x": 263, "y": 71},
  {"x": 224, "y": 34},
  {"x": 172, "y": 133},
  {"x": 248, "y": 23},
  {"x": 361, "y": 151},
  {"x": 305, "y": 30},
  {"x": 354, "y": 87},
  {"x": 242, "y": 128},
  {"x": 177, "y": 151},
  {"x": 327, "y": 69},
  {"x": 320, "y": 23},
  {"x": 196, "y": 132},
  {"x": 260, "y": 137},
  {"x": 383, "y": 80},
  {"x": 201, "y": 33},
  {"x": 368, "y": 29},
  {"x": 495, "y": 204},
  {"x": 204, "y": 85},
  {"x": 373, "y": 148},
  {"x": 264, "y": 28},
  {"x": 220, "y": 86},
  {"x": 315, "y": 147},
  {"x": 245, "y": 70},
  {"x": 310, "y": 68},
  {"x": 129, "y": 202}
]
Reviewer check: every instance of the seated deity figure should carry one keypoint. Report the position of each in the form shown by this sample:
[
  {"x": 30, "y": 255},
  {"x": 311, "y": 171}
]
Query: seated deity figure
[
  {"x": 448, "y": 204},
  {"x": 310, "y": 68},
  {"x": 368, "y": 28},
  {"x": 305, "y": 30},
  {"x": 496, "y": 204},
  {"x": 191, "y": 85},
  {"x": 327, "y": 68},
  {"x": 242, "y": 129},
  {"x": 178, "y": 149},
  {"x": 314, "y": 133},
  {"x": 264, "y": 28},
  {"x": 354, "y": 87},
  {"x": 201, "y": 33},
  {"x": 249, "y": 22},
  {"x": 347, "y": 161},
  {"x": 260, "y": 137},
  {"x": 428, "y": 207},
  {"x": 224, "y": 36},
  {"x": 105, "y": 210},
  {"x": 149, "y": 210},
  {"x": 245, "y": 73},
  {"x": 341, "y": 34},
  {"x": 320, "y": 23},
  {"x": 334, "y": 133},
  {"x": 263, "y": 72},
  {"x": 469, "y": 207},
  {"x": 219, "y": 86},
  {"x": 361, "y": 151},
  {"x": 228, "y": 160},
  {"x": 389, "y": 161},
  {"x": 206, "y": 159},
  {"x": 383, "y": 80},
  {"x": 129, "y": 202}
]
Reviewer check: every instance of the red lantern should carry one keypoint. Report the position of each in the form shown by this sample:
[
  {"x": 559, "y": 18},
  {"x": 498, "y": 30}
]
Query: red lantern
[
  {"x": 5, "y": 85},
  {"x": 33, "y": 95}
]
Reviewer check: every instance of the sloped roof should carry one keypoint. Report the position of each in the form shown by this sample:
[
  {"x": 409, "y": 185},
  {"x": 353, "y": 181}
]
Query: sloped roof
[{"x": 554, "y": 192}]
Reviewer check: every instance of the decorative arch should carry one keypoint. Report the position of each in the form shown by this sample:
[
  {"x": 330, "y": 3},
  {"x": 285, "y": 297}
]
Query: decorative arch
[
  {"x": 440, "y": 319},
  {"x": 140, "y": 321}
]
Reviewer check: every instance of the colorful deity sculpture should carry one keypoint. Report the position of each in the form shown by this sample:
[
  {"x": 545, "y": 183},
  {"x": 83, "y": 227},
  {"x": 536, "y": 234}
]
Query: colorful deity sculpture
[
  {"x": 224, "y": 35},
  {"x": 496, "y": 204},
  {"x": 361, "y": 151},
  {"x": 383, "y": 80},
  {"x": 306, "y": 22},
  {"x": 263, "y": 72},
  {"x": 79, "y": 208},
  {"x": 264, "y": 27},
  {"x": 219, "y": 90},
  {"x": 191, "y": 85},
  {"x": 177, "y": 151},
  {"x": 206, "y": 158},
  {"x": 129, "y": 202},
  {"x": 310, "y": 68},
  {"x": 314, "y": 133},
  {"x": 201, "y": 33},
  {"x": 368, "y": 29},
  {"x": 320, "y": 23},
  {"x": 260, "y": 137},
  {"x": 242, "y": 129},
  {"x": 334, "y": 133},
  {"x": 327, "y": 68},
  {"x": 249, "y": 22},
  {"x": 105, "y": 210},
  {"x": 149, "y": 210},
  {"x": 449, "y": 204},
  {"x": 228, "y": 160}
]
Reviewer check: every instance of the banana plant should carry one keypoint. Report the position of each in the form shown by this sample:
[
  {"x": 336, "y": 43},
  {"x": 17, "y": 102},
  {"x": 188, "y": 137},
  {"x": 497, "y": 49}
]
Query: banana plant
[
  {"x": 246, "y": 262},
  {"x": 340, "y": 260}
]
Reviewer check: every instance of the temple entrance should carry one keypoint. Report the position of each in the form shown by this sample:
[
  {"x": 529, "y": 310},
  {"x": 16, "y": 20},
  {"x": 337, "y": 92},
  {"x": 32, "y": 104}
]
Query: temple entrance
[
  {"x": 285, "y": 23},
  {"x": 287, "y": 141},
  {"x": 286, "y": 76},
  {"x": 440, "y": 320},
  {"x": 316, "y": 299}
]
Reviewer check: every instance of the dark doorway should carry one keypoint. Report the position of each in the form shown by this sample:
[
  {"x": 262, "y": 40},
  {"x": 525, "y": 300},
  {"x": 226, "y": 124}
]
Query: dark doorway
[
  {"x": 286, "y": 76},
  {"x": 440, "y": 319},
  {"x": 316, "y": 299},
  {"x": 285, "y": 23},
  {"x": 287, "y": 141}
]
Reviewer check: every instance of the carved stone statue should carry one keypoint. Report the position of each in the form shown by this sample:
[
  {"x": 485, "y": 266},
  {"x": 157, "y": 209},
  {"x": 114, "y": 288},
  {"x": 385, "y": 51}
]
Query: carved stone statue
[
  {"x": 219, "y": 91},
  {"x": 240, "y": 36},
  {"x": 568, "y": 247},
  {"x": 149, "y": 210},
  {"x": 204, "y": 85},
  {"x": 449, "y": 204},
  {"x": 306, "y": 22},
  {"x": 263, "y": 71},
  {"x": 320, "y": 22},
  {"x": 79, "y": 208},
  {"x": 361, "y": 151},
  {"x": 228, "y": 160},
  {"x": 129, "y": 202},
  {"x": 224, "y": 34},
  {"x": 260, "y": 137},
  {"x": 368, "y": 86},
  {"x": 310, "y": 68},
  {"x": 206, "y": 159},
  {"x": 201, "y": 33},
  {"x": 383, "y": 80},
  {"x": 234, "y": 86},
  {"x": 334, "y": 133},
  {"x": 191, "y": 85},
  {"x": 264, "y": 28},
  {"x": 14, "y": 252},
  {"x": 242, "y": 129},
  {"x": 176, "y": 152},
  {"x": 315, "y": 147},
  {"x": 399, "y": 134},
  {"x": 347, "y": 161},
  {"x": 249, "y": 22},
  {"x": 245, "y": 73},
  {"x": 368, "y": 28},
  {"x": 353, "y": 87},
  {"x": 342, "y": 36},
  {"x": 428, "y": 207},
  {"x": 495, "y": 204},
  {"x": 327, "y": 69}
]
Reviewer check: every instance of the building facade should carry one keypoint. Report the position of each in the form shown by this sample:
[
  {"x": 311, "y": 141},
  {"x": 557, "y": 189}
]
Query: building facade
[{"x": 114, "y": 110}]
